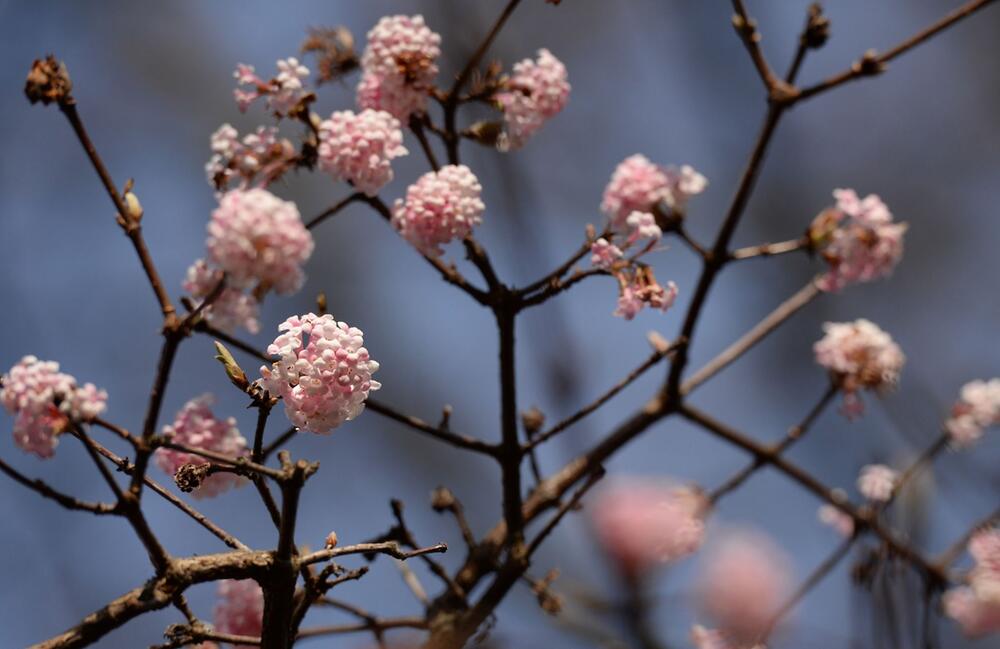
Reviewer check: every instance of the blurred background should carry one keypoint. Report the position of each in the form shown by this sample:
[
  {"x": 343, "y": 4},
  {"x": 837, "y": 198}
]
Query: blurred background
[{"x": 665, "y": 78}]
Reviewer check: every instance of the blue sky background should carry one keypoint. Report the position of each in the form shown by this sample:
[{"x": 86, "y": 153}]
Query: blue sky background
[{"x": 665, "y": 78}]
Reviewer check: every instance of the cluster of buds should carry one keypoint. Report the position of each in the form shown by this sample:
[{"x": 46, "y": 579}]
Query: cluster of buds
[
  {"x": 286, "y": 94},
  {"x": 877, "y": 482},
  {"x": 640, "y": 185},
  {"x": 535, "y": 92},
  {"x": 440, "y": 207},
  {"x": 976, "y": 607},
  {"x": 398, "y": 66},
  {"x": 45, "y": 402},
  {"x": 859, "y": 356},
  {"x": 257, "y": 160},
  {"x": 977, "y": 408}
]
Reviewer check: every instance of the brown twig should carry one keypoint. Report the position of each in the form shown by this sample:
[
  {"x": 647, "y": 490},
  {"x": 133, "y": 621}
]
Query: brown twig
[
  {"x": 769, "y": 249},
  {"x": 332, "y": 210},
  {"x": 45, "y": 491}
]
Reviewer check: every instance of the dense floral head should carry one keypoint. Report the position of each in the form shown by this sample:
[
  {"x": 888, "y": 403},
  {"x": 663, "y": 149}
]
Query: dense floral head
[
  {"x": 359, "y": 147},
  {"x": 440, "y": 207},
  {"x": 876, "y": 482},
  {"x": 240, "y": 609},
  {"x": 197, "y": 427},
  {"x": 640, "y": 185},
  {"x": 642, "y": 524},
  {"x": 323, "y": 373},
  {"x": 858, "y": 240},
  {"x": 398, "y": 66},
  {"x": 535, "y": 92},
  {"x": 232, "y": 308},
  {"x": 976, "y": 607},
  {"x": 977, "y": 408},
  {"x": 257, "y": 238},
  {"x": 745, "y": 581},
  {"x": 859, "y": 355},
  {"x": 44, "y": 401},
  {"x": 257, "y": 160},
  {"x": 285, "y": 92}
]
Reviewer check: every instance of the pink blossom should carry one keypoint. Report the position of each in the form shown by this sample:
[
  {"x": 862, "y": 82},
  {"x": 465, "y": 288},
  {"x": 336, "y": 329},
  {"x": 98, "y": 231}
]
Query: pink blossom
[
  {"x": 645, "y": 523},
  {"x": 535, "y": 92},
  {"x": 859, "y": 355},
  {"x": 643, "y": 226},
  {"x": 398, "y": 66},
  {"x": 603, "y": 254},
  {"x": 703, "y": 638},
  {"x": 638, "y": 185},
  {"x": 285, "y": 92},
  {"x": 256, "y": 237},
  {"x": 638, "y": 288},
  {"x": 196, "y": 426},
  {"x": 359, "y": 147},
  {"x": 240, "y": 609},
  {"x": 258, "y": 160},
  {"x": 977, "y": 408},
  {"x": 858, "y": 240},
  {"x": 744, "y": 582},
  {"x": 835, "y": 518},
  {"x": 976, "y": 607},
  {"x": 876, "y": 482},
  {"x": 324, "y": 380},
  {"x": 44, "y": 402},
  {"x": 231, "y": 309},
  {"x": 440, "y": 207}
]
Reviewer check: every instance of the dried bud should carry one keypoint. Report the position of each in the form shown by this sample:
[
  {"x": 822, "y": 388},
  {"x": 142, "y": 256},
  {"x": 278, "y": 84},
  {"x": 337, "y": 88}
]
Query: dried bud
[
  {"x": 331, "y": 541},
  {"x": 485, "y": 133},
  {"x": 532, "y": 420},
  {"x": 869, "y": 65},
  {"x": 334, "y": 51},
  {"x": 190, "y": 476},
  {"x": 233, "y": 370},
  {"x": 321, "y": 303},
  {"x": 442, "y": 499},
  {"x": 817, "y": 27},
  {"x": 48, "y": 81},
  {"x": 549, "y": 601}
]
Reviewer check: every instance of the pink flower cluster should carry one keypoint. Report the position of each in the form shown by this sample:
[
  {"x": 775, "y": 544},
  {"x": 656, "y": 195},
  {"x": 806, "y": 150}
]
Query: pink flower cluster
[
  {"x": 640, "y": 185},
  {"x": 256, "y": 237},
  {"x": 197, "y": 427},
  {"x": 836, "y": 519},
  {"x": 240, "y": 609},
  {"x": 642, "y": 524},
  {"x": 745, "y": 580},
  {"x": 858, "y": 240},
  {"x": 703, "y": 638},
  {"x": 977, "y": 408},
  {"x": 285, "y": 92},
  {"x": 535, "y": 92},
  {"x": 231, "y": 309},
  {"x": 440, "y": 207},
  {"x": 323, "y": 373},
  {"x": 258, "y": 159},
  {"x": 44, "y": 401},
  {"x": 976, "y": 607},
  {"x": 638, "y": 288},
  {"x": 359, "y": 147},
  {"x": 859, "y": 355},
  {"x": 876, "y": 482},
  {"x": 398, "y": 66}
]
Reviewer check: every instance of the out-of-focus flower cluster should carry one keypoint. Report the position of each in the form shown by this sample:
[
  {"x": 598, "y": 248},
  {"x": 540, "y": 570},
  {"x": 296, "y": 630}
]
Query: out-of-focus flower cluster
[
  {"x": 535, "y": 92},
  {"x": 976, "y": 607},
  {"x": 240, "y": 609},
  {"x": 360, "y": 147},
  {"x": 857, "y": 238},
  {"x": 44, "y": 401},
  {"x": 640, "y": 185},
  {"x": 398, "y": 66},
  {"x": 323, "y": 373},
  {"x": 876, "y": 482},
  {"x": 977, "y": 408},
  {"x": 195, "y": 426},
  {"x": 257, "y": 160},
  {"x": 859, "y": 356},
  {"x": 642, "y": 524},
  {"x": 440, "y": 207},
  {"x": 285, "y": 93}
]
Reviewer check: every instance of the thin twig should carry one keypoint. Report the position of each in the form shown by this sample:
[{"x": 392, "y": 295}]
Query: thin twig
[
  {"x": 44, "y": 490},
  {"x": 334, "y": 209}
]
